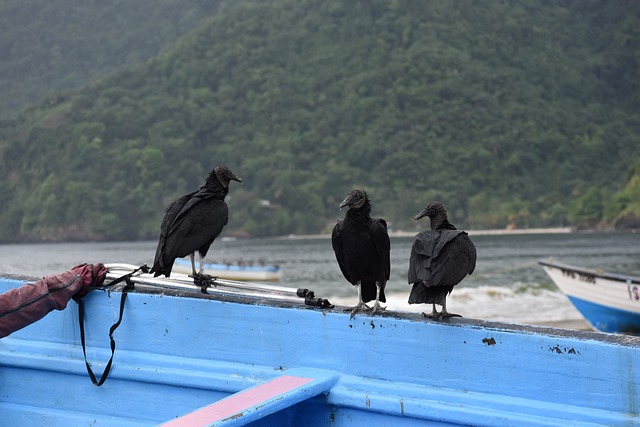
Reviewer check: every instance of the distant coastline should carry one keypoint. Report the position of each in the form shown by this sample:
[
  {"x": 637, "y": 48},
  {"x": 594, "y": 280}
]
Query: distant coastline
[
  {"x": 400, "y": 233},
  {"x": 490, "y": 232},
  {"x": 556, "y": 230},
  {"x": 497, "y": 231}
]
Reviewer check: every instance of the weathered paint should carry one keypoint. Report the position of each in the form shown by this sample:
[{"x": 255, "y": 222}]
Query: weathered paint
[{"x": 178, "y": 354}]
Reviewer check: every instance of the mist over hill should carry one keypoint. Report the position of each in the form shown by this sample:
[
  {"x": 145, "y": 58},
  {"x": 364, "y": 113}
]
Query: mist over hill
[
  {"x": 516, "y": 112},
  {"x": 51, "y": 46}
]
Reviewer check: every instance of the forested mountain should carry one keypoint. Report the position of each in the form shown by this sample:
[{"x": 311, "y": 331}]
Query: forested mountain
[
  {"x": 523, "y": 112},
  {"x": 48, "y": 46}
]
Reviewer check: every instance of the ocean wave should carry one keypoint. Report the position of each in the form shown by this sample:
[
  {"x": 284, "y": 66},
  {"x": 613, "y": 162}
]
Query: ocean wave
[{"x": 520, "y": 303}]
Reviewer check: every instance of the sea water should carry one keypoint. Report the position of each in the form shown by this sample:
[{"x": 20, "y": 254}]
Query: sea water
[{"x": 507, "y": 285}]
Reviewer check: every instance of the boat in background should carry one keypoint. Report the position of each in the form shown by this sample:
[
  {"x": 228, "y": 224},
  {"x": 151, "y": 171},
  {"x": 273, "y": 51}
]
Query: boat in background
[
  {"x": 263, "y": 355},
  {"x": 238, "y": 271},
  {"x": 609, "y": 302}
]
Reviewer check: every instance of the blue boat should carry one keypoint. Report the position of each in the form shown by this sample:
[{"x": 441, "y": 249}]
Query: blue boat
[
  {"x": 270, "y": 356},
  {"x": 610, "y": 302}
]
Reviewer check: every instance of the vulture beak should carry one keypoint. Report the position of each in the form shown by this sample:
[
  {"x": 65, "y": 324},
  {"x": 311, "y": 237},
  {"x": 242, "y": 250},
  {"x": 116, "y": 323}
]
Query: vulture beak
[
  {"x": 355, "y": 199},
  {"x": 345, "y": 202},
  {"x": 237, "y": 179},
  {"x": 422, "y": 214}
]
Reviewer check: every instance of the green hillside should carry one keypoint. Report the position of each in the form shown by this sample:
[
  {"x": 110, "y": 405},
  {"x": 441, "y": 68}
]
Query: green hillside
[
  {"x": 49, "y": 46},
  {"x": 522, "y": 112}
]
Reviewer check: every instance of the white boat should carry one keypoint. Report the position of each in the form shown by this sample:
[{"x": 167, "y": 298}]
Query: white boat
[
  {"x": 610, "y": 302},
  {"x": 244, "y": 272}
]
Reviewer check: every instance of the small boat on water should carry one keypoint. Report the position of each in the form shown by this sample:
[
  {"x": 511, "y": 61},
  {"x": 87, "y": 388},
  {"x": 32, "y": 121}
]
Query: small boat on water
[
  {"x": 610, "y": 302},
  {"x": 265, "y": 355},
  {"x": 233, "y": 271}
]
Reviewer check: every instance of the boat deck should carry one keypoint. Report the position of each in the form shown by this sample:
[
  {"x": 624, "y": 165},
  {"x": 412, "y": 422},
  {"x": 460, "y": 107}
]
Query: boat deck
[{"x": 181, "y": 352}]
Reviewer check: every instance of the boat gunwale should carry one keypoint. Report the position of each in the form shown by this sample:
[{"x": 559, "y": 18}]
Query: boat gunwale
[
  {"x": 458, "y": 322},
  {"x": 616, "y": 277}
]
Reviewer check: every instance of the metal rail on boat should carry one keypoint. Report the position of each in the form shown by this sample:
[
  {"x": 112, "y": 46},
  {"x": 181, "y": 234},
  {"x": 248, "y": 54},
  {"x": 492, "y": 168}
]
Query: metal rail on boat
[
  {"x": 241, "y": 272},
  {"x": 222, "y": 287}
]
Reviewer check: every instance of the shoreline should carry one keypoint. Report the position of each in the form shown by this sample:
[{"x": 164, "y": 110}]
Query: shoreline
[
  {"x": 487, "y": 232},
  {"x": 498, "y": 232},
  {"x": 399, "y": 233}
]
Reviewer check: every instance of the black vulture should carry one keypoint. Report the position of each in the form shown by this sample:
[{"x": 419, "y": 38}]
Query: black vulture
[
  {"x": 440, "y": 258},
  {"x": 193, "y": 222},
  {"x": 362, "y": 247}
]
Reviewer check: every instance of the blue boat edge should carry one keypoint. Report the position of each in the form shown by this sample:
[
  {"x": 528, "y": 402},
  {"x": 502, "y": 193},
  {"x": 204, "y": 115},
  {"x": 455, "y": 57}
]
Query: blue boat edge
[
  {"x": 607, "y": 319},
  {"x": 177, "y": 353}
]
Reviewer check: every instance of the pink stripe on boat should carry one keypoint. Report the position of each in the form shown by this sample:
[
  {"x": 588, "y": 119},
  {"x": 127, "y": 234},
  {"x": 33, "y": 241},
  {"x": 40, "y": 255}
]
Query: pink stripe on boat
[{"x": 239, "y": 402}]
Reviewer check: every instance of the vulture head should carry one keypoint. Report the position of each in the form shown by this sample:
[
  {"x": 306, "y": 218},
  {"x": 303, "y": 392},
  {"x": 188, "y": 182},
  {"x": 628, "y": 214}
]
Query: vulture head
[
  {"x": 356, "y": 199},
  {"x": 224, "y": 176},
  {"x": 436, "y": 213}
]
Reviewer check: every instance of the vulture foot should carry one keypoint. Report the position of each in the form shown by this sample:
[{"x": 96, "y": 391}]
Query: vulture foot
[
  {"x": 442, "y": 315},
  {"x": 360, "y": 307},
  {"x": 446, "y": 315},
  {"x": 377, "y": 307},
  {"x": 204, "y": 281}
]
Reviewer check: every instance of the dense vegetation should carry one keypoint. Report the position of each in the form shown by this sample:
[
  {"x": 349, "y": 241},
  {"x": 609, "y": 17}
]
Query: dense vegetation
[
  {"x": 48, "y": 46},
  {"x": 523, "y": 112}
]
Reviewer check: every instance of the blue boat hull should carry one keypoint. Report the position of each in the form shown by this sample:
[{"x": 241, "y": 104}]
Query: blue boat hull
[
  {"x": 607, "y": 319},
  {"x": 178, "y": 353}
]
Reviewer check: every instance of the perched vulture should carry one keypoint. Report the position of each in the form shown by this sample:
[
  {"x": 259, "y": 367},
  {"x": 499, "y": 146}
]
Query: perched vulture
[
  {"x": 192, "y": 223},
  {"x": 440, "y": 258},
  {"x": 362, "y": 247}
]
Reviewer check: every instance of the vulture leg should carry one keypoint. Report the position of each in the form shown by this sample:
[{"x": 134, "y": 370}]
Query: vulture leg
[
  {"x": 444, "y": 313},
  {"x": 200, "y": 278},
  {"x": 376, "y": 305},
  {"x": 361, "y": 305},
  {"x": 193, "y": 265},
  {"x": 434, "y": 313}
]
